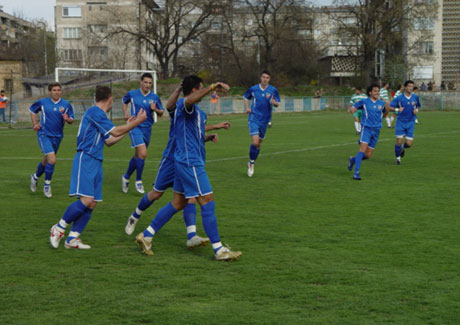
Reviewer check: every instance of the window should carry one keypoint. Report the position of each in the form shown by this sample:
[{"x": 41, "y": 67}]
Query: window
[
  {"x": 98, "y": 51},
  {"x": 99, "y": 29},
  {"x": 424, "y": 23},
  {"x": 215, "y": 25},
  {"x": 71, "y": 55},
  {"x": 425, "y": 47},
  {"x": 72, "y": 32},
  {"x": 71, "y": 11}
]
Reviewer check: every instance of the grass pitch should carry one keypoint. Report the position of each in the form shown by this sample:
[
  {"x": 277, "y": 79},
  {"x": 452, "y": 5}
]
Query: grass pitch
[{"x": 317, "y": 246}]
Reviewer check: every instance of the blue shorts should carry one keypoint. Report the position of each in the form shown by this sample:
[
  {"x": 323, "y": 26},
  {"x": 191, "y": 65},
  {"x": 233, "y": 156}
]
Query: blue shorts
[
  {"x": 140, "y": 136},
  {"x": 370, "y": 136},
  {"x": 405, "y": 129},
  {"x": 191, "y": 181},
  {"x": 48, "y": 144},
  {"x": 165, "y": 175},
  {"x": 257, "y": 128},
  {"x": 86, "y": 178}
]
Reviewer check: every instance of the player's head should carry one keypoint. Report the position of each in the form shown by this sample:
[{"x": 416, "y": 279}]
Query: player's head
[
  {"x": 2, "y": 92},
  {"x": 265, "y": 77},
  {"x": 415, "y": 90},
  {"x": 358, "y": 90},
  {"x": 191, "y": 84},
  {"x": 104, "y": 96},
  {"x": 146, "y": 82},
  {"x": 385, "y": 84},
  {"x": 373, "y": 91},
  {"x": 55, "y": 90},
  {"x": 409, "y": 86}
]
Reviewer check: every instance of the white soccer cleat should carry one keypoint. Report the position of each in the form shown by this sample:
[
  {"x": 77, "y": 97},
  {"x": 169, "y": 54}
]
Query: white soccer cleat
[
  {"x": 33, "y": 183},
  {"x": 131, "y": 225},
  {"x": 250, "y": 169},
  {"x": 124, "y": 184},
  {"x": 55, "y": 236},
  {"x": 140, "y": 187},
  {"x": 77, "y": 244},
  {"x": 47, "y": 190},
  {"x": 225, "y": 254},
  {"x": 197, "y": 241}
]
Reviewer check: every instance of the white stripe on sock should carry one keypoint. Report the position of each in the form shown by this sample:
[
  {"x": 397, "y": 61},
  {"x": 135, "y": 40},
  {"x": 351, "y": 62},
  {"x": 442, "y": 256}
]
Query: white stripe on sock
[
  {"x": 74, "y": 234},
  {"x": 63, "y": 224},
  {"x": 216, "y": 245},
  {"x": 191, "y": 229},
  {"x": 139, "y": 212},
  {"x": 151, "y": 230}
]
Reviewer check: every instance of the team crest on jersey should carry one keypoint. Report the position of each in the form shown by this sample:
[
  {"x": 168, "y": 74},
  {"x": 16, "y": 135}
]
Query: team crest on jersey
[
  {"x": 413, "y": 103},
  {"x": 61, "y": 109},
  {"x": 267, "y": 95},
  {"x": 380, "y": 107}
]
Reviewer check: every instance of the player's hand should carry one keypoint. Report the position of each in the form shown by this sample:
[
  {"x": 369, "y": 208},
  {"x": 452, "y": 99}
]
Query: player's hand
[
  {"x": 141, "y": 116},
  {"x": 248, "y": 110},
  {"x": 130, "y": 119},
  {"x": 221, "y": 86},
  {"x": 274, "y": 102},
  {"x": 153, "y": 106},
  {"x": 127, "y": 117},
  {"x": 37, "y": 127},
  {"x": 224, "y": 125},
  {"x": 415, "y": 110},
  {"x": 214, "y": 138}
]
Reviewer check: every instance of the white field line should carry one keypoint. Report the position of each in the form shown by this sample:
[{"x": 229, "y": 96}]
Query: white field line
[{"x": 434, "y": 135}]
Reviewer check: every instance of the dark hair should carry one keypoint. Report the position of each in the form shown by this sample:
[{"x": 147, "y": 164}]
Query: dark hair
[
  {"x": 408, "y": 82},
  {"x": 189, "y": 83},
  {"x": 265, "y": 72},
  {"x": 415, "y": 88},
  {"x": 54, "y": 84},
  {"x": 2, "y": 91},
  {"x": 370, "y": 88},
  {"x": 358, "y": 88},
  {"x": 385, "y": 83},
  {"x": 103, "y": 93},
  {"x": 146, "y": 75}
]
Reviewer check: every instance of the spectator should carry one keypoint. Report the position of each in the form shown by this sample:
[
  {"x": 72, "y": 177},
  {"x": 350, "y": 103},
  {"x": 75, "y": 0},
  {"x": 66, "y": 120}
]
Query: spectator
[
  {"x": 430, "y": 86},
  {"x": 317, "y": 94},
  {"x": 3, "y": 102},
  {"x": 214, "y": 99},
  {"x": 443, "y": 86},
  {"x": 423, "y": 86}
]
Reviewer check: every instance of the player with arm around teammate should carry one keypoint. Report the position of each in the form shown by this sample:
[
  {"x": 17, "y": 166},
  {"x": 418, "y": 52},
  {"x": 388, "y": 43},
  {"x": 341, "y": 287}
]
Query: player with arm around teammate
[
  {"x": 94, "y": 131},
  {"x": 140, "y": 99},
  {"x": 406, "y": 106},
  {"x": 263, "y": 96},
  {"x": 55, "y": 112},
  {"x": 191, "y": 180},
  {"x": 374, "y": 109}
]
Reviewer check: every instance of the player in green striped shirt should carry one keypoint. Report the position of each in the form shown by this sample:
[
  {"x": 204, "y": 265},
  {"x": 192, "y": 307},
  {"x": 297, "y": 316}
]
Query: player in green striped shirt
[
  {"x": 386, "y": 98},
  {"x": 358, "y": 95}
]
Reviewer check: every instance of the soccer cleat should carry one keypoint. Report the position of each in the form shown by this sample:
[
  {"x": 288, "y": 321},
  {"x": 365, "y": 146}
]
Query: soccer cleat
[
  {"x": 124, "y": 184},
  {"x": 145, "y": 245},
  {"x": 140, "y": 187},
  {"x": 197, "y": 241},
  {"x": 356, "y": 177},
  {"x": 398, "y": 161},
  {"x": 76, "y": 243},
  {"x": 55, "y": 236},
  {"x": 403, "y": 152},
  {"x": 250, "y": 169},
  {"x": 357, "y": 132},
  {"x": 269, "y": 124},
  {"x": 33, "y": 183},
  {"x": 131, "y": 225},
  {"x": 225, "y": 254},
  {"x": 351, "y": 163},
  {"x": 47, "y": 190}
]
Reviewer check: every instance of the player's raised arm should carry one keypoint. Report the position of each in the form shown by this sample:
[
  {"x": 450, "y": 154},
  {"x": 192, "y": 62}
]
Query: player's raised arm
[
  {"x": 130, "y": 124},
  {"x": 196, "y": 96},
  {"x": 173, "y": 98},
  {"x": 124, "y": 105},
  {"x": 222, "y": 125}
]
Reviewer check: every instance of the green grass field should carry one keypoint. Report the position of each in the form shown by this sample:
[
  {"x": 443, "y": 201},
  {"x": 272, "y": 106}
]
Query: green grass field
[{"x": 318, "y": 247}]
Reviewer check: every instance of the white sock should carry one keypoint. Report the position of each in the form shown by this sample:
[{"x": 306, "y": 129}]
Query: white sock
[
  {"x": 388, "y": 121},
  {"x": 357, "y": 126},
  {"x": 392, "y": 119}
]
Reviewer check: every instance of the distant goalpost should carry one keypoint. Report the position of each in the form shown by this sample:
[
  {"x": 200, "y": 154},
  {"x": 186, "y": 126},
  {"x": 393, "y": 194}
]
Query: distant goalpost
[{"x": 154, "y": 73}]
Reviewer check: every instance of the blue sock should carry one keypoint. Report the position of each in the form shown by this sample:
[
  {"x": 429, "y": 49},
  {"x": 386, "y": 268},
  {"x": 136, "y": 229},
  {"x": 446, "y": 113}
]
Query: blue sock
[
  {"x": 139, "y": 168},
  {"x": 80, "y": 224},
  {"x": 398, "y": 150},
  {"x": 143, "y": 205},
  {"x": 358, "y": 159},
  {"x": 210, "y": 222},
  {"x": 163, "y": 216},
  {"x": 49, "y": 170},
  {"x": 40, "y": 170},
  {"x": 253, "y": 152},
  {"x": 190, "y": 219},
  {"x": 73, "y": 211},
  {"x": 131, "y": 168}
]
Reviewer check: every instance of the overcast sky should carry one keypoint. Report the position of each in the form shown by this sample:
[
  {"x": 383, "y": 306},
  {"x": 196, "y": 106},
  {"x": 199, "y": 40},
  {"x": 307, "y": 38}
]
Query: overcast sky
[{"x": 44, "y": 9}]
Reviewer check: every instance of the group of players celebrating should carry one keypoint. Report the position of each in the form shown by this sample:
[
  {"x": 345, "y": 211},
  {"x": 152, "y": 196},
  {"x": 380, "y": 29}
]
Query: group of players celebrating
[
  {"x": 182, "y": 165},
  {"x": 369, "y": 111}
]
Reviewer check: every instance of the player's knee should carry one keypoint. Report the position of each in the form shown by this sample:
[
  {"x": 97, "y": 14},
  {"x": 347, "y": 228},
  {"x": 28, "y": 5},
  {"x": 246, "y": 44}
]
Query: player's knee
[
  {"x": 51, "y": 160},
  {"x": 154, "y": 195}
]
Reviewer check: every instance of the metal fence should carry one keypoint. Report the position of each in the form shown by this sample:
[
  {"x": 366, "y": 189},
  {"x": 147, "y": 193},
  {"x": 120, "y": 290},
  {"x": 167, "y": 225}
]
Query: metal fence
[{"x": 19, "y": 112}]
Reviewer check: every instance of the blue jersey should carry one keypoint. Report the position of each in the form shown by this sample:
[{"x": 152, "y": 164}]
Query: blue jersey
[
  {"x": 189, "y": 133},
  {"x": 409, "y": 104},
  {"x": 51, "y": 121},
  {"x": 171, "y": 146},
  {"x": 94, "y": 128},
  {"x": 261, "y": 108},
  {"x": 372, "y": 112},
  {"x": 138, "y": 100}
]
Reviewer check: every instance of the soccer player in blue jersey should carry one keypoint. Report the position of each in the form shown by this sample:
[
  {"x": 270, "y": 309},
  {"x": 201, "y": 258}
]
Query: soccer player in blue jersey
[
  {"x": 142, "y": 98},
  {"x": 191, "y": 180},
  {"x": 55, "y": 112},
  {"x": 374, "y": 109},
  {"x": 263, "y": 97},
  {"x": 406, "y": 106},
  {"x": 94, "y": 131},
  {"x": 165, "y": 180}
]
